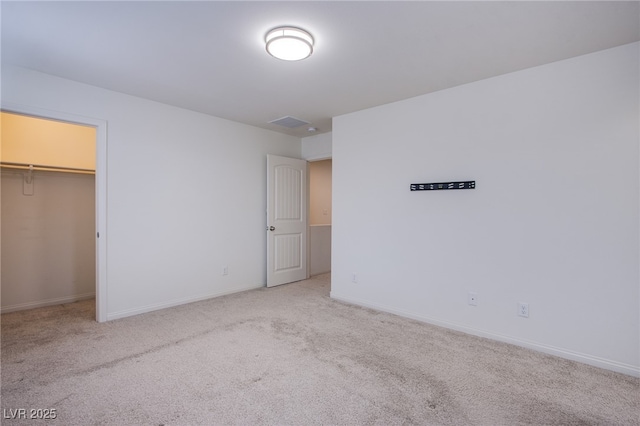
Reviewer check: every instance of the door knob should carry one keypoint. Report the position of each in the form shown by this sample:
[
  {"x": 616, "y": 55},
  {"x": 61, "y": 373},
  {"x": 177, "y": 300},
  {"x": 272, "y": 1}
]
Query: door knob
[{"x": 271, "y": 228}]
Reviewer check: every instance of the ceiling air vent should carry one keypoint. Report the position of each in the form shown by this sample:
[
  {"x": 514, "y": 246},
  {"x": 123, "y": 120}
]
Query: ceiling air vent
[{"x": 290, "y": 122}]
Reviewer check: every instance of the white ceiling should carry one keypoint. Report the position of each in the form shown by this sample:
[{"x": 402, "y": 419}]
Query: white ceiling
[{"x": 209, "y": 56}]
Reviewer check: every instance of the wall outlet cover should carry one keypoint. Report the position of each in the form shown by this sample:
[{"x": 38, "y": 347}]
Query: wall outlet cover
[{"x": 523, "y": 310}]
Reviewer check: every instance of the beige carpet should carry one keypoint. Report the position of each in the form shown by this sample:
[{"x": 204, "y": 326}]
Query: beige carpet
[{"x": 290, "y": 356}]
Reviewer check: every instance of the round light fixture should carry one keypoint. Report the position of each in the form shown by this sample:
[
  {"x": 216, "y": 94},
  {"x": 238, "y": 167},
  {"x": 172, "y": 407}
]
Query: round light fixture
[{"x": 289, "y": 43}]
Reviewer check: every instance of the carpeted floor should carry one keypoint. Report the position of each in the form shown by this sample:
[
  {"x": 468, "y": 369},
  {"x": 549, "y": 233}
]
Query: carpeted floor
[{"x": 289, "y": 355}]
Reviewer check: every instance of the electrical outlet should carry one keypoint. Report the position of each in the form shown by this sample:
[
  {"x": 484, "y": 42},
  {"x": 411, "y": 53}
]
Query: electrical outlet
[
  {"x": 473, "y": 298},
  {"x": 523, "y": 310},
  {"x": 354, "y": 278},
  {"x": 225, "y": 270}
]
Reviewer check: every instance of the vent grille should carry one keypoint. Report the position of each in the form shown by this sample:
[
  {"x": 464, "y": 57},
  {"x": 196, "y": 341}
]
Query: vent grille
[{"x": 289, "y": 122}]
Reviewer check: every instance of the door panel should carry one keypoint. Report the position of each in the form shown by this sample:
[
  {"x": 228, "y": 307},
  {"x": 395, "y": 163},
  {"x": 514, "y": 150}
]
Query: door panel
[
  {"x": 286, "y": 220},
  {"x": 287, "y": 252}
]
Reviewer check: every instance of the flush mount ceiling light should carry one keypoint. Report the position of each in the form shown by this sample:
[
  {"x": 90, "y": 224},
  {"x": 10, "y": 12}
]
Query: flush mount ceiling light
[{"x": 289, "y": 43}]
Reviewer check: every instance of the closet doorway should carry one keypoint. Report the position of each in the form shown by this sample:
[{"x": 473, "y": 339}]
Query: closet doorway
[
  {"x": 50, "y": 209},
  {"x": 320, "y": 217}
]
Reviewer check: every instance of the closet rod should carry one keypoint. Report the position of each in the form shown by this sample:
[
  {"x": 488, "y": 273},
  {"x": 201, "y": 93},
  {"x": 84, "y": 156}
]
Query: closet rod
[{"x": 44, "y": 168}]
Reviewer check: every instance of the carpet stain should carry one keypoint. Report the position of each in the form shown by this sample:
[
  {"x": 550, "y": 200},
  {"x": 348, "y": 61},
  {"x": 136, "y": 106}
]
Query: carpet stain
[
  {"x": 136, "y": 356},
  {"x": 540, "y": 412}
]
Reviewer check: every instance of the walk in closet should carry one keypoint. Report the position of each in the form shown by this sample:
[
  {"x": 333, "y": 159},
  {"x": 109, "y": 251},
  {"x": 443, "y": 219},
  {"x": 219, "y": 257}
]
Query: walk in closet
[{"x": 48, "y": 215}]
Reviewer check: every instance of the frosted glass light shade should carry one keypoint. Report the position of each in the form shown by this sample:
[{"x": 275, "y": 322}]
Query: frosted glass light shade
[{"x": 289, "y": 43}]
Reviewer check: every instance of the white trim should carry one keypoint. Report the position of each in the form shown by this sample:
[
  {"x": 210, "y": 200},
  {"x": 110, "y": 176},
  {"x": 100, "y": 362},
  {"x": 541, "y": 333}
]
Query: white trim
[
  {"x": 631, "y": 370},
  {"x": 321, "y": 157},
  {"x": 177, "y": 302},
  {"x": 101, "y": 190},
  {"x": 47, "y": 302}
]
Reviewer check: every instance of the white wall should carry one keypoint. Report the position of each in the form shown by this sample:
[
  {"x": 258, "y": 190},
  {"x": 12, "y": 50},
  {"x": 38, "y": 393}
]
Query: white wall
[
  {"x": 317, "y": 147},
  {"x": 186, "y": 193},
  {"x": 319, "y": 249},
  {"x": 48, "y": 239},
  {"x": 553, "y": 221}
]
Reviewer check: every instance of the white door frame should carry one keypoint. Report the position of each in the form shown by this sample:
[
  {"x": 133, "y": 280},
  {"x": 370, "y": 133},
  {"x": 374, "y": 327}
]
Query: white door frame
[{"x": 101, "y": 189}]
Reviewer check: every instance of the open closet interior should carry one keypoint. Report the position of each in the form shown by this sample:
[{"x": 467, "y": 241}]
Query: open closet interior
[{"x": 47, "y": 222}]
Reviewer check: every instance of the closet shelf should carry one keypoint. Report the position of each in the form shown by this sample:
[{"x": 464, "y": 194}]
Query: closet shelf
[{"x": 25, "y": 166}]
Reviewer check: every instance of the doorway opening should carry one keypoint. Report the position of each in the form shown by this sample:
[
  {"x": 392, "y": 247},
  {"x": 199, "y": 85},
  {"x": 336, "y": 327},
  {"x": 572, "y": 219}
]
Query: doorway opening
[
  {"x": 320, "y": 173},
  {"x": 53, "y": 208}
]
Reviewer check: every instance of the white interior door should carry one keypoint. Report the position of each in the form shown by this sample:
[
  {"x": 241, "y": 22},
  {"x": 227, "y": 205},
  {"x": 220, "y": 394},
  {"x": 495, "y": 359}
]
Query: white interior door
[{"x": 286, "y": 220}]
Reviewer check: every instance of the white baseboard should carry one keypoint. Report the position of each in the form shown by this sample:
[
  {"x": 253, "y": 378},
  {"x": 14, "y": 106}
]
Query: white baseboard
[
  {"x": 150, "y": 308},
  {"x": 606, "y": 364},
  {"x": 46, "y": 302}
]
